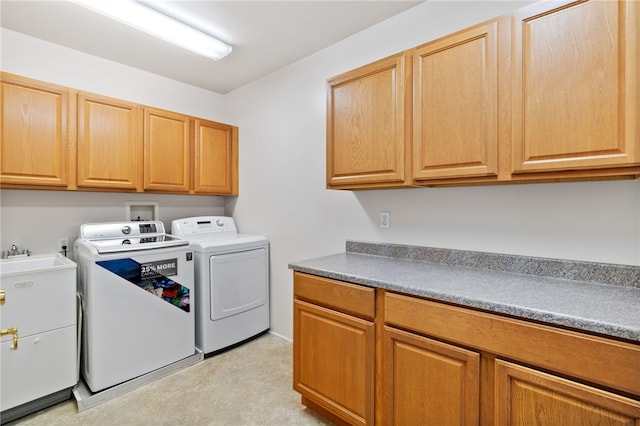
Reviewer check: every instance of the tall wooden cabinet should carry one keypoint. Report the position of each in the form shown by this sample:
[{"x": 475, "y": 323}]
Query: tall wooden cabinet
[
  {"x": 35, "y": 132},
  {"x": 367, "y": 128},
  {"x": 575, "y": 100},
  {"x": 109, "y": 143},
  {"x": 455, "y": 110}
]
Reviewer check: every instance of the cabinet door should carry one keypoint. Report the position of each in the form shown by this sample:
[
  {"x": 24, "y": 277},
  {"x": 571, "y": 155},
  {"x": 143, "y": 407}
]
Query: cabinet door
[
  {"x": 44, "y": 363},
  {"x": 427, "y": 382},
  {"x": 109, "y": 142},
  {"x": 366, "y": 131},
  {"x": 166, "y": 151},
  {"x": 333, "y": 362},
  {"x": 455, "y": 119},
  {"x": 528, "y": 397},
  {"x": 216, "y": 158},
  {"x": 35, "y": 132},
  {"x": 575, "y": 86}
]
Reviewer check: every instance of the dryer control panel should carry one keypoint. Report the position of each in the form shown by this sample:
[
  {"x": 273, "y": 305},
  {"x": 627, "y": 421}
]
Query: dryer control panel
[{"x": 203, "y": 225}]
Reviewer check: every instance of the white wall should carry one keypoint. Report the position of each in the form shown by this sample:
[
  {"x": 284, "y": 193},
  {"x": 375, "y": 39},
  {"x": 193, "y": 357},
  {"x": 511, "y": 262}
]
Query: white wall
[
  {"x": 282, "y": 167},
  {"x": 41, "y": 60},
  {"x": 36, "y": 219},
  {"x": 282, "y": 176}
]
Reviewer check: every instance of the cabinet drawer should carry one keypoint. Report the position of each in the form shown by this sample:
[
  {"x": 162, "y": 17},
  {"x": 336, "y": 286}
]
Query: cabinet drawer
[
  {"x": 579, "y": 355},
  {"x": 350, "y": 298},
  {"x": 43, "y": 364}
]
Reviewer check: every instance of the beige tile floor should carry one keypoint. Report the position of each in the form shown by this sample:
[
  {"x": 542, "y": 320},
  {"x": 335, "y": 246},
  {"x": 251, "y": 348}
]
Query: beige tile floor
[{"x": 247, "y": 385}]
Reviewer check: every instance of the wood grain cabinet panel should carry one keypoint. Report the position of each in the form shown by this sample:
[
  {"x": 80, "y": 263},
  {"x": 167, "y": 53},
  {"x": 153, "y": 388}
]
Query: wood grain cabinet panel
[
  {"x": 366, "y": 131},
  {"x": 423, "y": 362},
  {"x": 428, "y": 382},
  {"x": 575, "y": 99},
  {"x": 215, "y": 158},
  {"x": 109, "y": 143},
  {"x": 334, "y": 361},
  {"x": 334, "y": 348},
  {"x": 167, "y": 151},
  {"x": 525, "y": 396},
  {"x": 455, "y": 118},
  {"x": 35, "y": 133}
]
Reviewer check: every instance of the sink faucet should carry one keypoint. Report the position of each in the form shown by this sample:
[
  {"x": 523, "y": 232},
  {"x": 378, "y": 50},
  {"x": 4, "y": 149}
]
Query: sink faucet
[{"x": 14, "y": 251}]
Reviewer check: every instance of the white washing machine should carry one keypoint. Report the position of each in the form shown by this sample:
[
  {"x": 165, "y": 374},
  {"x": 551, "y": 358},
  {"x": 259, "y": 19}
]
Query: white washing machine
[
  {"x": 231, "y": 281},
  {"x": 136, "y": 287}
]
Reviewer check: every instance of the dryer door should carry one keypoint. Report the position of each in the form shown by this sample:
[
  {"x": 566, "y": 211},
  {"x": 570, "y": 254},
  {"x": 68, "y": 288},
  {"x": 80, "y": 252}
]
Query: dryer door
[{"x": 239, "y": 282}]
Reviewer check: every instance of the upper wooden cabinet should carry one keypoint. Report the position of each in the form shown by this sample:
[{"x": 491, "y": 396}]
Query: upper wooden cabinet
[
  {"x": 35, "y": 133},
  {"x": 109, "y": 142},
  {"x": 455, "y": 118},
  {"x": 215, "y": 158},
  {"x": 54, "y": 137},
  {"x": 167, "y": 155},
  {"x": 575, "y": 85},
  {"x": 548, "y": 93},
  {"x": 367, "y": 135}
]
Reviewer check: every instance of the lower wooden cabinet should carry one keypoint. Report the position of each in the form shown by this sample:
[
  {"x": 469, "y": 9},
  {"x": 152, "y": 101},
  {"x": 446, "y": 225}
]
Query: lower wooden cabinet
[
  {"x": 427, "y": 382},
  {"x": 525, "y": 396},
  {"x": 333, "y": 362},
  {"x": 364, "y": 355}
]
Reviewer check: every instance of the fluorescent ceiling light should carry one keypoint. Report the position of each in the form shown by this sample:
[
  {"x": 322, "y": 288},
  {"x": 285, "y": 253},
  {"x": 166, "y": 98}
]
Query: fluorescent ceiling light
[{"x": 159, "y": 25}]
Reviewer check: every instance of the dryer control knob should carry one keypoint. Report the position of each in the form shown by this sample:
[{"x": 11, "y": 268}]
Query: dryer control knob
[
  {"x": 126, "y": 230},
  {"x": 220, "y": 222}
]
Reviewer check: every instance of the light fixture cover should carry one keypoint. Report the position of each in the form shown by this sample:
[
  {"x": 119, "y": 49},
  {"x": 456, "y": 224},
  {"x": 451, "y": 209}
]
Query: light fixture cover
[{"x": 159, "y": 25}]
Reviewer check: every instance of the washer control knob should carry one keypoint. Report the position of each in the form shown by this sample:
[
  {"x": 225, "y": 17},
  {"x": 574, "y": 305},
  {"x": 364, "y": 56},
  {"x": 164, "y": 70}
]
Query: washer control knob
[
  {"x": 220, "y": 222},
  {"x": 126, "y": 229}
]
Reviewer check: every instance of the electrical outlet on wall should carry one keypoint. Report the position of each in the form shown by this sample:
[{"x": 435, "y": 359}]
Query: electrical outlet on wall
[
  {"x": 385, "y": 220},
  {"x": 63, "y": 244}
]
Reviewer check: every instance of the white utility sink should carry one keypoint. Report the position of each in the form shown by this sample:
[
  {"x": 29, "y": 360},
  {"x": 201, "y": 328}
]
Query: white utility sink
[
  {"x": 40, "y": 308},
  {"x": 26, "y": 264}
]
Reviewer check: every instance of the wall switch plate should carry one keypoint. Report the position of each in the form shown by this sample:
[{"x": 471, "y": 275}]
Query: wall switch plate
[{"x": 385, "y": 220}]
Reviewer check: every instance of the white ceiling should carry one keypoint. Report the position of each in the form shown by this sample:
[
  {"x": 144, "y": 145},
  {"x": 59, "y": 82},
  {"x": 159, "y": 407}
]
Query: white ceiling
[{"x": 266, "y": 35}]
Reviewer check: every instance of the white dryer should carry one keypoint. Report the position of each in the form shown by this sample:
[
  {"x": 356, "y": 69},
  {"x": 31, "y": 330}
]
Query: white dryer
[{"x": 231, "y": 281}]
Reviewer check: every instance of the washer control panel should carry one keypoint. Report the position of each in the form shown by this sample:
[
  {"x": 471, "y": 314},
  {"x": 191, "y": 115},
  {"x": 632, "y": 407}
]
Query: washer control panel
[
  {"x": 120, "y": 229},
  {"x": 203, "y": 225}
]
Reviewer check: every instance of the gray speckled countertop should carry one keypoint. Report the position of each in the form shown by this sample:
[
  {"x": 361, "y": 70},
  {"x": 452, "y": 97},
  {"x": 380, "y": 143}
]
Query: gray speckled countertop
[{"x": 594, "y": 297}]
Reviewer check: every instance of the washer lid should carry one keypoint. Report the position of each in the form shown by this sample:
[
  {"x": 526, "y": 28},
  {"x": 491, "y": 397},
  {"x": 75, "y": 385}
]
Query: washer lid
[
  {"x": 115, "y": 245},
  {"x": 112, "y": 237}
]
